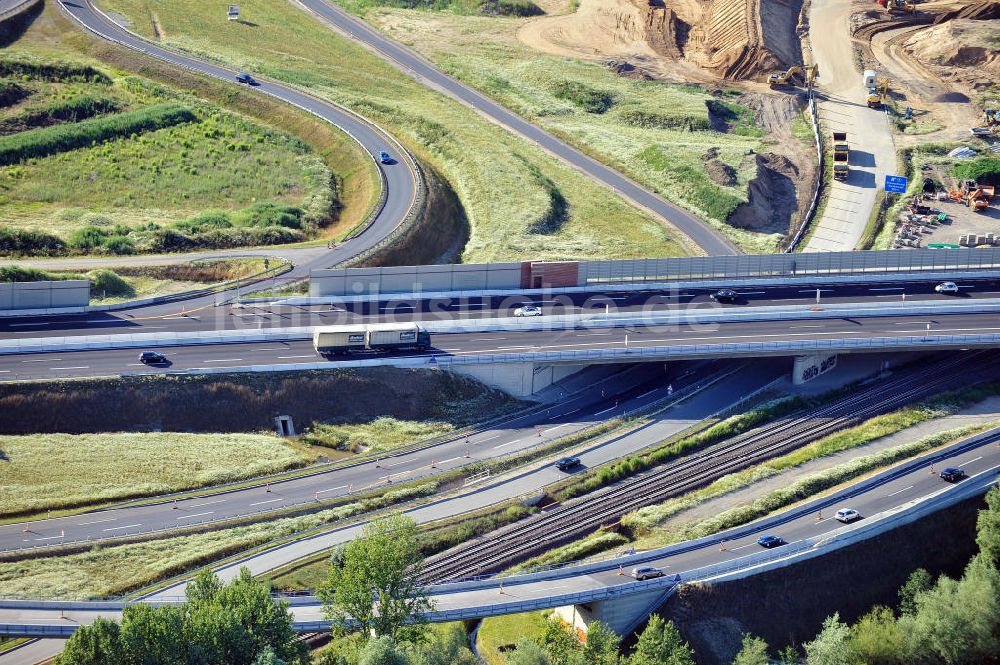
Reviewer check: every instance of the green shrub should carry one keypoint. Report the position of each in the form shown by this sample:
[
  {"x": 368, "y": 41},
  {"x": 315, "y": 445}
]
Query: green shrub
[
  {"x": 60, "y": 138},
  {"x": 11, "y": 92},
  {"x": 31, "y": 68},
  {"x": 88, "y": 238},
  {"x": 650, "y": 120},
  {"x": 21, "y": 242},
  {"x": 587, "y": 98},
  {"x": 521, "y": 8},
  {"x": 14, "y": 273},
  {"x": 109, "y": 283},
  {"x": 985, "y": 170},
  {"x": 205, "y": 221},
  {"x": 269, "y": 214},
  {"x": 119, "y": 244}
]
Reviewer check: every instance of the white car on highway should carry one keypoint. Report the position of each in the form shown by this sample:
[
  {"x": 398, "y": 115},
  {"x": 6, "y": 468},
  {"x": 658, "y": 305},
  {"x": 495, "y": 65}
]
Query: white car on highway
[
  {"x": 946, "y": 287},
  {"x": 846, "y": 515},
  {"x": 528, "y": 310}
]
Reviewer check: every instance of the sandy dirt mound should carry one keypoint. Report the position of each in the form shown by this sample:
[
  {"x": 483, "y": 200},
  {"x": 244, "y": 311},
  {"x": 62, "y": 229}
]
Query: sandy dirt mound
[
  {"x": 961, "y": 43},
  {"x": 773, "y": 199},
  {"x": 729, "y": 39}
]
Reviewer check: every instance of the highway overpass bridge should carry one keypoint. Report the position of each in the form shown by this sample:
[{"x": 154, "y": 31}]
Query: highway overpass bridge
[
  {"x": 522, "y": 355},
  {"x": 603, "y": 589}
]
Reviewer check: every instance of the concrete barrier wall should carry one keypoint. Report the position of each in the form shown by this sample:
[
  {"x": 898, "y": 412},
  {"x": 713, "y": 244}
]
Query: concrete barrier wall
[
  {"x": 44, "y": 295},
  {"x": 486, "y": 276}
]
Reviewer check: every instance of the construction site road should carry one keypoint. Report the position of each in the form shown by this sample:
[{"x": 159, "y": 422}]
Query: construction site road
[
  {"x": 842, "y": 107},
  {"x": 406, "y": 60}
]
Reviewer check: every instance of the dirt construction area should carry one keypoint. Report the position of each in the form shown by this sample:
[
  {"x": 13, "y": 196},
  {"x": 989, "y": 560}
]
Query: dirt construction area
[{"x": 680, "y": 40}]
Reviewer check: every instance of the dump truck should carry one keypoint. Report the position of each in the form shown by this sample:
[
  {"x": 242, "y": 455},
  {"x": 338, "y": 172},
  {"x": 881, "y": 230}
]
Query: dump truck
[
  {"x": 841, "y": 156},
  {"x": 340, "y": 340}
]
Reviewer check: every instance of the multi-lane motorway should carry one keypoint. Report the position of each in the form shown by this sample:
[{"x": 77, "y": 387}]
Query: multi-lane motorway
[
  {"x": 809, "y": 523},
  {"x": 139, "y": 320},
  {"x": 623, "y": 392},
  {"x": 693, "y": 338}
]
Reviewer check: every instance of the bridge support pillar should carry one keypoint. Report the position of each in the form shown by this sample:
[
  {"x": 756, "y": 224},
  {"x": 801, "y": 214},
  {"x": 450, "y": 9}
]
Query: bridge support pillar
[
  {"x": 518, "y": 379},
  {"x": 807, "y": 368},
  {"x": 622, "y": 615}
]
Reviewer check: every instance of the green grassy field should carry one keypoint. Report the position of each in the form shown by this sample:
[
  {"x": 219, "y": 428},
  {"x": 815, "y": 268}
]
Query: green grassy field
[
  {"x": 101, "y": 467},
  {"x": 520, "y": 202},
  {"x": 380, "y": 434},
  {"x": 504, "y": 631},
  {"x": 245, "y": 149},
  {"x": 655, "y": 132}
]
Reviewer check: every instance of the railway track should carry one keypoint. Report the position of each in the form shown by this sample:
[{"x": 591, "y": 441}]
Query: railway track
[{"x": 566, "y": 522}]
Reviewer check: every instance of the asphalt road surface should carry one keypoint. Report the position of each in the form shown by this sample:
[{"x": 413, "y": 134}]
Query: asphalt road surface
[
  {"x": 708, "y": 239},
  {"x": 810, "y": 522},
  {"x": 626, "y": 391},
  {"x": 140, "y": 320},
  {"x": 112, "y": 362},
  {"x": 401, "y": 185}
]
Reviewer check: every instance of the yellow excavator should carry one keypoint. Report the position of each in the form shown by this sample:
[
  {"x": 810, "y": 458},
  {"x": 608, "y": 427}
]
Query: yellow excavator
[
  {"x": 808, "y": 72},
  {"x": 901, "y": 6},
  {"x": 877, "y": 93}
]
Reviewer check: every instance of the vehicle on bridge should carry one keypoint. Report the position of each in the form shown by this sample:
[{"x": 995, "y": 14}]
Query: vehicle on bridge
[
  {"x": 528, "y": 310},
  {"x": 952, "y": 474},
  {"x": 846, "y": 515},
  {"x": 646, "y": 573},
  {"x": 770, "y": 541},
  {"x": 946, "y": 287},
  {"x": 339, "y": 340}
]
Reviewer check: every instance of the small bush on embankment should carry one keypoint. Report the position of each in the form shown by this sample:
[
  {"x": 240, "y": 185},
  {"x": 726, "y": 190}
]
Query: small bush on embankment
[
  {"x": 11, "y": 92},
  {"x": 71, "y": 110},
  {"x": 61, "y": 138},
  {"x": 28, "y": 67}
]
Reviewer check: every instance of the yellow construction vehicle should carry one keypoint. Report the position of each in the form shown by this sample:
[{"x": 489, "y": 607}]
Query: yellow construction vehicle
[
  {"x": 808, "y": 72},
  {"x": 877, "y": 93},
  {"x": 901, "y": 6}
]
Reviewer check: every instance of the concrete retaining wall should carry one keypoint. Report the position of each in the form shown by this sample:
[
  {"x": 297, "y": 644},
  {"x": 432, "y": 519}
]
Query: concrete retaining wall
[{"x": 42, "y": 295}]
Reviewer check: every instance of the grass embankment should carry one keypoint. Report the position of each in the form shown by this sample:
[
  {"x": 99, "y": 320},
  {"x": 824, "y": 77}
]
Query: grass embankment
[
  {"x": 556, "y": 213},
  {"x": 657, "y": 133},
  {"x": 506, "y": 631},
  {"x": 378, "y": 435},
  {"x": 224, "y": 162},
  {"x": 122, "y": 283},
  {"x": 55, "y": 471}
]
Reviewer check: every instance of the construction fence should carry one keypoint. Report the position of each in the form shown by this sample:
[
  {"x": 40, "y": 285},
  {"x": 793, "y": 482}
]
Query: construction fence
[
  {"x": 570, "y": 274},
  {"x": 44, "y": 295}
]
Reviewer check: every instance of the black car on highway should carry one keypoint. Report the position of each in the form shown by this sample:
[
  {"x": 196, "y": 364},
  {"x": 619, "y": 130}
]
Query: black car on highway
[
  {"x": 724, "y": 295},
  {"x": 246, "y": 78},
  {"x": 952, "y": 474},
  {"x": 567, "y": 463},
  {"x": 770, "y": 541},
  {"x": 152, "y": 358}
]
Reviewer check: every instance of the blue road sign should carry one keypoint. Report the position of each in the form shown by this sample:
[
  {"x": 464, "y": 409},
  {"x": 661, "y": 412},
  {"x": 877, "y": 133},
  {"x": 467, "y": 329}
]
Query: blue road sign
[{"x": 895, "y": 184}]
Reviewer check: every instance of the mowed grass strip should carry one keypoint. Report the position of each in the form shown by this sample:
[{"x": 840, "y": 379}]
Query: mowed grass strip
[
  {"x": 61, "y": 138},
  {"x": 519, "y": 201},
  {"x": 53, "y": 471}
]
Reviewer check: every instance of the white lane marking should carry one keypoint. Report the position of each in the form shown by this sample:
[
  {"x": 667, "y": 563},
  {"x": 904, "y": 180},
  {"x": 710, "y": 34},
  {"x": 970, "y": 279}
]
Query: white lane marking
[
  {"x": 815, "y": 290},
  {"x": 110, "y": 519},
  {"x": 556, "y": 427},
  {"x": 972, "y": 460},
  {"x": 127, "y": 526},
  {"x": 206, "y": 503},
  {"x": 311, "y": 355},
  {"x": 450, "y": 459},
  {"x": 487, "y": 339},
  {"x": 4, "y": 371},
  {"x": 509, "y": 443},
  {"x": 647, "y": 393},
  {"x": 44, "y": 360},
  {"x": 49, "y": 538},
  {"x": 188, "y": 517},
  {"x": 741, "y": 547},
  {"x": 489, "y": 438},
  {"x": 80, "y": 367},
  {"x": 910, "y": 323},
  {"x": 610, "y": 408},
  {"x": 568, "y": 413},
  {"x": 259, "y": 503},
  {"x": 593, "y": 334},
  {"x": 467, "y": 305},
  {"x": 225, "y": 360},
  {"x": 751, "y": 293},
  {"x": 908, "y": 487},
  {"x": 22, "y": 325},
  {"x": 888, "y": 288},
  {"x": 811, "y": 325}
]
